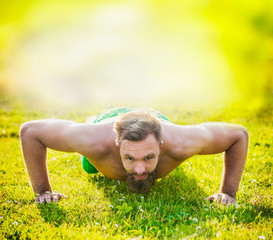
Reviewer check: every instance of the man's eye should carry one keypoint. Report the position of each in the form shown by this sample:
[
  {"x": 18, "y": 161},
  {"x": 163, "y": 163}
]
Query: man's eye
[
  {"x": 130, "y": 159},
  {"x": 148, "y": 158}
]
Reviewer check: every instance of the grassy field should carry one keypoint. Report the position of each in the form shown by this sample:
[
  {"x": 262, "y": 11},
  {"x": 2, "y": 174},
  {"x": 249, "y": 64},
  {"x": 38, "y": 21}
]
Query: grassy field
[{"x": 101, "y": 208}]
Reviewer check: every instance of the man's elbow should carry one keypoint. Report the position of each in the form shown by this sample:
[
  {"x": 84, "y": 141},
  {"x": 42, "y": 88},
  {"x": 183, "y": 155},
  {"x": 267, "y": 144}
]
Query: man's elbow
[
  {"x": 25, "y": 130},
  {"x": 243, "y": 136},
  {"x": 244, "y": 133}
]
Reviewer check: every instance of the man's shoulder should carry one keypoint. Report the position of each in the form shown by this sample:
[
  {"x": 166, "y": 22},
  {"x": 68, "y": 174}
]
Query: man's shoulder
[
  {"x": 181, "y": 140},
  {"x": 94, "y": 139}
]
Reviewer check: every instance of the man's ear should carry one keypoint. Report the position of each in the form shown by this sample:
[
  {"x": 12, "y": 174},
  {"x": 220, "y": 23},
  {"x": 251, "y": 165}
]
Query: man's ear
[{"x": 161, "y": 145}]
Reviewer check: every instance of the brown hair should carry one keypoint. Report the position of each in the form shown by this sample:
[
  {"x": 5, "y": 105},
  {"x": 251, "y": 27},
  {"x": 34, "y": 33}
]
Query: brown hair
[{"x": 136, "y": 126}]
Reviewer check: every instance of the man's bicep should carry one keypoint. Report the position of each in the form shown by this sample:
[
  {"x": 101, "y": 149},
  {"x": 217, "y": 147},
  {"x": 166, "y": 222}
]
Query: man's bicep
[
  {"x": 55, "y": 134},
  {"x": 218, "y": 137}
]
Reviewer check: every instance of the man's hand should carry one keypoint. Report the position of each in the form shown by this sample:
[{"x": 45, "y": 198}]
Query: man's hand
[
  {"x": 48, "y": 197},
  {"x": 222, "y": 198}
]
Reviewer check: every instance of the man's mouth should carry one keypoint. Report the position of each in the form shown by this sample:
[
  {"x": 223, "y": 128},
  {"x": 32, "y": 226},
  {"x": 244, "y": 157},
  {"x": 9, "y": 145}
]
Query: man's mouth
[{"x": 141, "y": 177}]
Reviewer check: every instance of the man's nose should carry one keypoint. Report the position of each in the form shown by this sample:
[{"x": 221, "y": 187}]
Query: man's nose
[{"x": 140, "y": 169}]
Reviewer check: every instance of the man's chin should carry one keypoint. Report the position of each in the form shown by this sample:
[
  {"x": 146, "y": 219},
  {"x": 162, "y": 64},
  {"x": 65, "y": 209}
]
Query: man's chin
[{"x": 140, "y": 184}]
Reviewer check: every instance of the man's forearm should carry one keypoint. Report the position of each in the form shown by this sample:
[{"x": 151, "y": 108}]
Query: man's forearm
[
  {"x": 34, "y": 153},
  {"x": 234, "y": 162}
]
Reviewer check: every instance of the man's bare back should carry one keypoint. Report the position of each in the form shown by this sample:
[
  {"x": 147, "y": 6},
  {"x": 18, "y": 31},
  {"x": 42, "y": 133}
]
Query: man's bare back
[{"x": 97, "y": 143}]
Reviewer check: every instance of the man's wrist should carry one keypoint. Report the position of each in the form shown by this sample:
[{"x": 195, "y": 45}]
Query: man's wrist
[
  {"x": 230, "y": 194},
  {"x": 41, "y": 192}
]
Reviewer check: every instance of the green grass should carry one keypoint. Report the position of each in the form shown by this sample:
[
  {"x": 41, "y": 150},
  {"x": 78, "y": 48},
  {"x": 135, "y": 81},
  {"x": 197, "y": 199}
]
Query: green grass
[{"x": 99, "y": 208}]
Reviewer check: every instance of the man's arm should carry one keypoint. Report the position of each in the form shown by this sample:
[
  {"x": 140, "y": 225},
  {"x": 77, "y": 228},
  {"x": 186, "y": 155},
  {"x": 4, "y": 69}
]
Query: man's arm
[
  {"x": 37, "y": 136},
  {"x": 212, "y": 138},
  {"x": 233, "y": 140}
]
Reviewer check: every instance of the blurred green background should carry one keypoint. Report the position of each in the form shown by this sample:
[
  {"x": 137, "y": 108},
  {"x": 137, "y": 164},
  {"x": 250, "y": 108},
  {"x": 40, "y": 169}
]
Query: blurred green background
[{"x": 141, "y": 52}]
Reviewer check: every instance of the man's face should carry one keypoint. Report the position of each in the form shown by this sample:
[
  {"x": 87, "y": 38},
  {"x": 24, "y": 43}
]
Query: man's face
[{"x": 140, "y": 160}]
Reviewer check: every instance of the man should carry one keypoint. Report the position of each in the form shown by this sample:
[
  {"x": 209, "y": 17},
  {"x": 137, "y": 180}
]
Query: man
[{"x": 133, "y": 145}]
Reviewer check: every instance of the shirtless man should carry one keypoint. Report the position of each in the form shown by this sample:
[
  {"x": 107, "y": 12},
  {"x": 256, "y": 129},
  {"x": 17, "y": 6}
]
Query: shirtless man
[{"x": 137, "y": 146}]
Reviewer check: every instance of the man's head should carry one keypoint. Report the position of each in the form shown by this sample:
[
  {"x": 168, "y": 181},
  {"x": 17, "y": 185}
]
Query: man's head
[{"x": 138, "y": 135}]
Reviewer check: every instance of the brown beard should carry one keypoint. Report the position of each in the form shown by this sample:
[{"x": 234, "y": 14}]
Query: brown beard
[{"x": 140, "y": 186}]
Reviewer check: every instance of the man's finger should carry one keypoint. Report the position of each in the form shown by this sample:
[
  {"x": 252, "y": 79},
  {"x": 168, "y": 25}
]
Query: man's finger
[
  {"x": 214, "y": 198},
  {"x": 209, "y": 199},
  {"x": 230, "y": 201},
  {"x": 41, "y": 199},
  {"x": 37, "y": 198},
  {"x": 63, "y": 196},
  {"x": 55, "y": 198},
  {"x": 218, "y": 197},
  {"x": 48, "y": 198},
  {"x": 224, "y": 200}
]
